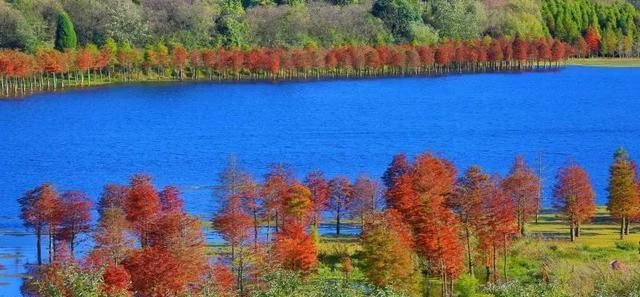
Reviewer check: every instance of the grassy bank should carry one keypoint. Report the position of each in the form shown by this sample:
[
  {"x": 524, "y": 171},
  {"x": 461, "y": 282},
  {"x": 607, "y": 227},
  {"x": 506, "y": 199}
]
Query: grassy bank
[
  {"x": 606, "y": 62},
  {"x": 545, "y": 263}
]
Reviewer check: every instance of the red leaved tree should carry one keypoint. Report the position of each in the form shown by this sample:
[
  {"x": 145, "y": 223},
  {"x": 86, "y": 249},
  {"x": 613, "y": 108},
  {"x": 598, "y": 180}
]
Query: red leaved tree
[
  {"x": 116, "y": 281},
  {"x": 497, "y": 227},
  {"x": 574, "y": 197},
  {"x": 156, "y": 273},
  {"x": 365, "y": 198},
  {"x": 522, "y": 185},
  {"x": 319, "y": 188},
  {"x": 76, "y": 217},
  {"x": 398, "y": 167},
  {"x": 295, "y": 250},
  {"x": 38, "y": 208},
  {"x": 592, "y": 38},
  {"x": 142, "y": 206},
  {"x": 468, "y": 195},
  {"x": 340, "y": 195}
]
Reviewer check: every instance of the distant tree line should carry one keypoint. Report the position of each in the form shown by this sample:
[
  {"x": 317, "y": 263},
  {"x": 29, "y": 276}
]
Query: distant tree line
[
  {"x": 30, "y": 25},
  {"x": 22, "y": 73},
  {"x": 422, "y": 226}
]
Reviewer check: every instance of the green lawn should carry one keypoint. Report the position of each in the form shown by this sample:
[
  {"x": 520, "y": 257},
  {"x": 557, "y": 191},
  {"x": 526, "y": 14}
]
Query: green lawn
[
  {"x": 602, "y": 232},
  {"x": 606, "y": 62}
]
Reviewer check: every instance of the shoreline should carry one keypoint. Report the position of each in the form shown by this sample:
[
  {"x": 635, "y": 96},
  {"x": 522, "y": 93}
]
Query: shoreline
[
  {"x": 71, "y": 85},
  {"x": 605, "y": 62},
  {"x": 100, "y": 83}
]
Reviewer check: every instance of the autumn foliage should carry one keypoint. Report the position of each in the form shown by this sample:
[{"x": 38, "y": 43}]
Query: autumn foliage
[
  {"x": 574, "y": 197},
  {"x": 522, "y": 185},
  {"x": 294, "y": 249},
  {"x": 624, "y": 196},
  {"x": 22, "y": 73},
  {"x": 435, "y": 224},
  {"x": 419, "y": 197},
  {"x": 389, "y": 255}
]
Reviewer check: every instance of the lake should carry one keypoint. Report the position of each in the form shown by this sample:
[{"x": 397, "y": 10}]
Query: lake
[{"x": 182, "y": 134}]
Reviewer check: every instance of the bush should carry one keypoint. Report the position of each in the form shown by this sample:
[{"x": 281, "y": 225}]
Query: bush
[
  {"x": 467, "y": 286},
  {"x": 518, "y": 289},
  {"x": 626, "y": 245}
]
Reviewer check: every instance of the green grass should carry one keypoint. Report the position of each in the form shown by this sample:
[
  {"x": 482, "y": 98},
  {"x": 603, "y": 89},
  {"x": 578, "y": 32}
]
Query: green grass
[
  {"x": 545, "y": 256},
  {"x": 606, "y": 62},
  {"x": 602, "y": 232}
]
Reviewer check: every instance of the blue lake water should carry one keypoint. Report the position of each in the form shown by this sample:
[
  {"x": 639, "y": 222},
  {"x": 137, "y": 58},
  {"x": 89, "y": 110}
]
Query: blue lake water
[{"x": 181, "y": 134}]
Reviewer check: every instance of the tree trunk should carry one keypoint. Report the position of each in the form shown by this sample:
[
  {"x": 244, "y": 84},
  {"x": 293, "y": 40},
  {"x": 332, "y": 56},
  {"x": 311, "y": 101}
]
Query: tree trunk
[
  {"x": 72, "y": 245},
  {"x": 627, "y": 226},
  {"x": 495, "y": 265},
  {"x": 338, "y": 222},
  {"x": 506, "y": 256},
  {"x": 469, "y": 257},
  {"x": 51, "y": 248},
  {"x": 622, "y": 224},
  {"x": 572, "y": 234},
  {"x": 255, "y": 229},
  {"x": 38, "y": 246}
]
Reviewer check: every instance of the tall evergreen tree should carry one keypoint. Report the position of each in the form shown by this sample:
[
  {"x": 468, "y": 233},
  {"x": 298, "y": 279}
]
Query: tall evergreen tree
[{"x": 65, "y": 33}]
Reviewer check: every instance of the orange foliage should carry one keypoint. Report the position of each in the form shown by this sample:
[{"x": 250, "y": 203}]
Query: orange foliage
[
  {"x": 419, "y": 196},
  {"x": 522, "y": 186},
  {"x": 592, "y": 38},
  {"x": 295, "y": 250},
  {"x": 117, "y": 281},
  {"x": 224, "y": 279},
  {"x": 156, "y": 273},
  {"x": 574, "y": 196},
  {"x": 142, "y": 206},
  {"x": 319, "y": 188}
]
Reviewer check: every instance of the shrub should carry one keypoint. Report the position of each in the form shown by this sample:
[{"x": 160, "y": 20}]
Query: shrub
[{"x": 625, "y": 245}]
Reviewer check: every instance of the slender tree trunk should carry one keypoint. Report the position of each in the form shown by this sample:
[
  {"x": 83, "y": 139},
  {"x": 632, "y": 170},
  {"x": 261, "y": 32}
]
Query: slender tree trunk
[
  {"x": 495, "y": 265},
  {"x": 506, "y": 257},
  {"x": 268, "y": 226},
  {"x": 38, "y": 244},
  {"x": 573, "y": 232},
  {"x": 338, "y": 222},
  {"x": 51, "y": 247},
  {"x": 469, "y": 257},
  {"x": 240, "y": 271},
  {"x": 627, "y": 226},
  {"x": 622, "y": 224},
  {"x": 255, "y": 229},
  {"x": 72, "y": 244}
]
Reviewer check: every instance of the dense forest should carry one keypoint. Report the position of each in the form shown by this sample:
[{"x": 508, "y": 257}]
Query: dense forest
[
  {"x": 32, "y": 24},
  {"x": 425, "y": 230}
]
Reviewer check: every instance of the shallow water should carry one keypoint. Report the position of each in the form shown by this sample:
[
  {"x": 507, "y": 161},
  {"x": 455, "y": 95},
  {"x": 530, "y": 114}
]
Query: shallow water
[{"x": 182, "y": 134}]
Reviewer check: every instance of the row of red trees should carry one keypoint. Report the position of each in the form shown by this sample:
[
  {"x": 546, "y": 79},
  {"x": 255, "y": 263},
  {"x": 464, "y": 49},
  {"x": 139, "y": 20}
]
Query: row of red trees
[
  {"x": 429, "y": 214},
  {"x": 453, "y": 223},
  {"x": 22, "y": 73}
]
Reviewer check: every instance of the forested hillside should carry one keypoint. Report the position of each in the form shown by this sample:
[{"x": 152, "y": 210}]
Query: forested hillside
[{"x": 32, "y": 24}]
